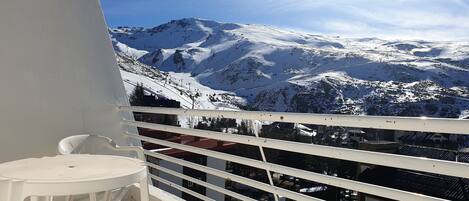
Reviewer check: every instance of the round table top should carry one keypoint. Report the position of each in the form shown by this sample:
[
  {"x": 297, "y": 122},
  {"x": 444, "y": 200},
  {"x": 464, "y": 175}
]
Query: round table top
[{"x": 71, "y": 168}]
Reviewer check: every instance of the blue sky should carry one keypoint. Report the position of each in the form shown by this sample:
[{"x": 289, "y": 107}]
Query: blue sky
[{"x": 389, "y": 19}]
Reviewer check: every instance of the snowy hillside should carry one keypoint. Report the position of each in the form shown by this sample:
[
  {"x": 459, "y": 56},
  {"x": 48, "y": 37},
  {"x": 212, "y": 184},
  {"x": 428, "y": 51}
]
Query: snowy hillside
[
  {"x": 282, "y": 70},
  {"x": 176, "y": 86}
]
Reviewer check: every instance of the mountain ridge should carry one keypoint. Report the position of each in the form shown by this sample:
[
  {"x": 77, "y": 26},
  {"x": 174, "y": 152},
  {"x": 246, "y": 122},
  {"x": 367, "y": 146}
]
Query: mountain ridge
[{"x": 281, "y": 70}]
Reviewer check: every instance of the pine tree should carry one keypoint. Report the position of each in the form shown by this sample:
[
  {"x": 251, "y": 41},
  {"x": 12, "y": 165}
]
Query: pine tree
[{"x": 136, "y": 98}]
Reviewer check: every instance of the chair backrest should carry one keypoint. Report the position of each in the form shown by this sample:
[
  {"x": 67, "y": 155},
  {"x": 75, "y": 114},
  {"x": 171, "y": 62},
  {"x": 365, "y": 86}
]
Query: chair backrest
[
  {"x": 96, "y": 144},
  {"x": 87, "y": 144},
  {"x": 70, "y": 145}
]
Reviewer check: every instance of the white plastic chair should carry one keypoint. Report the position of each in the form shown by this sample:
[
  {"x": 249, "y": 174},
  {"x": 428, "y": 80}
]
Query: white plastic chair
[{"x": 97, "y": 144}]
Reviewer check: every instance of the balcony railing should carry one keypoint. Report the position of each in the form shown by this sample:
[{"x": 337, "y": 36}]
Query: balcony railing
[{"x": 422, "y": 124}]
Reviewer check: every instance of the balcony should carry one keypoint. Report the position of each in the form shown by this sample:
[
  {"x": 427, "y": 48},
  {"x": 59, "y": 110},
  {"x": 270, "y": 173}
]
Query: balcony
[
  {"x": 165, "y": 165},
  {"x": 59, "y": 78},
  {"x": 420, "y": 165}
]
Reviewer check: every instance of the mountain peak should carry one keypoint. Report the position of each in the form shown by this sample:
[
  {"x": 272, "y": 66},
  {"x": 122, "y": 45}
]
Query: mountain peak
[
  {"x": 197, "y": 22},
  {"x": 194, "y": 20}
]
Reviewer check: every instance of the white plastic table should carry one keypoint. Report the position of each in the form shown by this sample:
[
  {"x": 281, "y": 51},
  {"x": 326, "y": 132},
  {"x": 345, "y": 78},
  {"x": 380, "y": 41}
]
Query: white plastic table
[{"x": 65, "y": 175}]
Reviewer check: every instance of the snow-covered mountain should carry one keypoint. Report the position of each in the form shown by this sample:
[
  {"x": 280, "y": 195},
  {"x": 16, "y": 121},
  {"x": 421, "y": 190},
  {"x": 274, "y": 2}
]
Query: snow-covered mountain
[
  {"x": 176, "y": 86},
  {"x": 281, "y": 70}
]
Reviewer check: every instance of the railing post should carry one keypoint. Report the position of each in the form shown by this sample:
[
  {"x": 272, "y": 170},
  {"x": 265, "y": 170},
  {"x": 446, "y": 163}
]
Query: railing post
[{"x": 269, "y": 176}]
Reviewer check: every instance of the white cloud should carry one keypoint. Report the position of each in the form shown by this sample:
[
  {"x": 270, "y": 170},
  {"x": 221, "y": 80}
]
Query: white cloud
[{"x": 409, "y": 19}]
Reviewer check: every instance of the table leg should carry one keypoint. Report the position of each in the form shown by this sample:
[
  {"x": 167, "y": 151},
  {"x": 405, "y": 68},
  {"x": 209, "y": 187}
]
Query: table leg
[
  {"x": 144, "y": 190},
  {"x": 121, "y": 193},
  {"x": 92, "y": 196},
  {"x": 14, "y": 191},
  {"x": 68, "y": 198},
  {"x": 4, "y": 188},
  {"x": 107, "y": 195}
]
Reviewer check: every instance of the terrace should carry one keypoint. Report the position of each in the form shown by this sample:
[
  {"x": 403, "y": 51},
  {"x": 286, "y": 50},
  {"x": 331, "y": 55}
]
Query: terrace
[{"x": 59, "y": 78}]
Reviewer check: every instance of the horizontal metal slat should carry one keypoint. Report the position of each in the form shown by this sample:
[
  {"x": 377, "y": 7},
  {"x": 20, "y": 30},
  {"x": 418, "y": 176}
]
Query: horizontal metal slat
[
  {"x": 423, "y": 124},
  {"x": 188, "y": 191},
  {"x": 200, "y": 182},
  {"x": 233, "y": 177},
  {"x": 390, "y": 160},
  {"x": 334, "y": 181}
]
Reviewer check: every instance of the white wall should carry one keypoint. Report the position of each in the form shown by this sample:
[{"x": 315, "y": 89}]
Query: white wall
[{"x": 58, "y": 76}]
